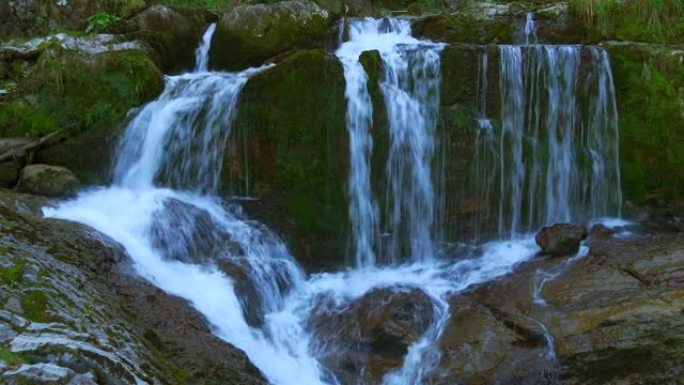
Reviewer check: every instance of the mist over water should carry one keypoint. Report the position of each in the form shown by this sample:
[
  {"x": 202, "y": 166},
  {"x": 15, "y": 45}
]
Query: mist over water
[{"x": 164, "y": 209}]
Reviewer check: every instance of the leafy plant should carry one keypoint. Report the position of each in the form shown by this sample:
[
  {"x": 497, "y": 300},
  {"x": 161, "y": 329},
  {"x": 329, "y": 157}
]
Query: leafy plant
[{"x": 101, "y": 22}]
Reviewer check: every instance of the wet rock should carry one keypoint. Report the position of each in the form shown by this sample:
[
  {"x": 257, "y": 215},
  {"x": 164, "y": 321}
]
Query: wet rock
[
  {"x": 103, "y": 318},
  {"x": 38, "y": 374},
  {"x": 51, "y": 181},
  {"x": 371, "y": 335},
  {"x": 172, "y": 32},
  {"x": 601, "y": 231},
  {"x": 248, "y": 35},
  {"x": 561, "y": 239}
]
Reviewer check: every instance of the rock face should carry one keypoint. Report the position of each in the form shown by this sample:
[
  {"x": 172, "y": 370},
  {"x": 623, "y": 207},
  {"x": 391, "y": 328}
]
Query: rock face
[
  {"x": 72, "y": 312},
  {"x": 611, "y": 317},
  {"x": 562, "y": 239},
  {"x": 289, "y": 148},
  {"x": 50, "y": 181},
  {"x": 370, "y": 336},
  {"x": 248, "y": 35}
]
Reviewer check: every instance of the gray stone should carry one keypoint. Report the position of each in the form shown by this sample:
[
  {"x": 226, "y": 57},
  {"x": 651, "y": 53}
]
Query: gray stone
[
  {"x": 53, "y": 181},
  {"x": 43, "y": 374}
]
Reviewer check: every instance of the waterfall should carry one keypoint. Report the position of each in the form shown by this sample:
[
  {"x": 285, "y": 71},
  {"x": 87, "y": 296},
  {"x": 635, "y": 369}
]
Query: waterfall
[
  {"x": 234, "y": 271},
  {"x": 162, "y": 207},
  {"x": 557, "y": 156},
  {"x": 411, "y": 93},
  {"x": 202, "y": 53}
]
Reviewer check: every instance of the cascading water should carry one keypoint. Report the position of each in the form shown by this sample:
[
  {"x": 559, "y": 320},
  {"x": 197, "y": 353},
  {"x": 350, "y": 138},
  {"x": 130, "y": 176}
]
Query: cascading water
[
  {"x": 411, "y": 91},
  {"x": 162, "y": 208},
  {"x": 556, "y": 157}
]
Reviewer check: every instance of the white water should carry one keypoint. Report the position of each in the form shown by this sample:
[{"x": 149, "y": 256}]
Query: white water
[
  {"x": 162, "y": 208},
  {"x": 202, "y": 53},
  {"x": 555, "y": 154},
  {"x": 411, "y": 92}
]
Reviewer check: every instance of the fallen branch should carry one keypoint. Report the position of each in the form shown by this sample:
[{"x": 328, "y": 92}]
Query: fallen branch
[{"x": 11, "y": 153}]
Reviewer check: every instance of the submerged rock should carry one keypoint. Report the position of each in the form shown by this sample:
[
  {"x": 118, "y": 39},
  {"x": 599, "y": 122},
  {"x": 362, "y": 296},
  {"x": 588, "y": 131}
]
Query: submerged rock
[
  {"x": 248, "y": 35},
  {"x": 51, "y": 181},
  {"x": 365, "y": 339},
  {"x": 562, "y": 239}
]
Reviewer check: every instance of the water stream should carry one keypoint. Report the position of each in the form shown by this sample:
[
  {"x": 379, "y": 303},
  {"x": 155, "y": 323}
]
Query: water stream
[{"x": 164, "y": 209}]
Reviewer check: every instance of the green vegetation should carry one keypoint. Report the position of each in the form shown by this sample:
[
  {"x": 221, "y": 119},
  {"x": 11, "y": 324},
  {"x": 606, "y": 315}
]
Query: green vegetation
[
  {"x": 650, "y": 84},
  {"x": 12, "y": 275},
  {"x": 65, "y": 88},
  {"x": 101, "y": 22},
  {"x": 638, "y": 20},
  {"x": 34, "y": 305},
  {"x": 10, "y": 357}
]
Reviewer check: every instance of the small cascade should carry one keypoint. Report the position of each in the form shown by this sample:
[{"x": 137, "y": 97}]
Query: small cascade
[
  {"x": 411, "y": 92},
  {"x": 202, "y": 53},
  {"x": 557, "y": 145}
]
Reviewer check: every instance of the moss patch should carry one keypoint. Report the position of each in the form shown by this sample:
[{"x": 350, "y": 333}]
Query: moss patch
[
  {"x": 34, "y": 304},
  {"x": 290, "y": 147},
  {"x": 13, "y": 274},
  {"x": 67, "y": 88}
]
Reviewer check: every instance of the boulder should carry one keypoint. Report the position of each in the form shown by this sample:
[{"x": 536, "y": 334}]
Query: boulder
[
  {"x": 248, "y": 35},
  {"x": 371, "y": 335},
  {"x": 174, "y": 33},
  {"x": 562, "y": 239},
  {"x": 51, "y": 181}
]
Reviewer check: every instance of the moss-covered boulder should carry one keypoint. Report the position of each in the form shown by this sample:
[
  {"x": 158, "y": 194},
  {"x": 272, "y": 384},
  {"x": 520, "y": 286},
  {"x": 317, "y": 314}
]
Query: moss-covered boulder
[
  {"x": 82, "y": 85},
  {"x": 248, "y": 35},
  {"x": 289, "y": 149},
  {"x": 649, "y": 81},
  {"x": 52, "y": 181},
  {"x": 172, "y": 32}
]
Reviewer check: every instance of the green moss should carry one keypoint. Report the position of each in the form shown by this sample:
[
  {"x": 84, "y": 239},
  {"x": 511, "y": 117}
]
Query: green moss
[
  {"x": 650, "y": 86},
  {"x": 10, "y": 357},
  {"x": 290, "y": 147},
  {"x": 465, "y": 29},
  {"x": 12, "y": 275},
  {"x": 34, "y": 305},
  {"x": 67, "y": 89}
]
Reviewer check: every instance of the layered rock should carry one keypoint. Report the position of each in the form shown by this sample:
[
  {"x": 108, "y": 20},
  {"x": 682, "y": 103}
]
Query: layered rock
[
  {"x": 612, "y": 316},
  {"x": 73, "y": 310}
]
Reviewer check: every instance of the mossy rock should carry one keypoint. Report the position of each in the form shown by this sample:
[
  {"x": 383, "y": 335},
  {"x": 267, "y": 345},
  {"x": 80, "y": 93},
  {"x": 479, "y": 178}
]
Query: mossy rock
[
  {"x": 465, "y": 29},
  {"x": 84, "y": 92},
  {"x": 173, "y": 32},
  {"x": 649, "y": 83},
  {"x": 289, "y": 148},
  {"x": 250, "y": 34}
]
